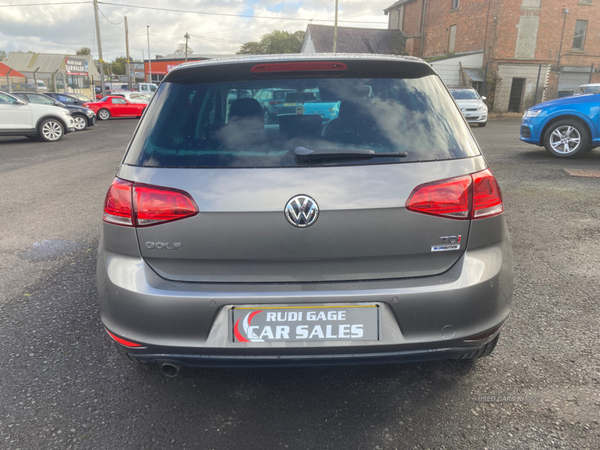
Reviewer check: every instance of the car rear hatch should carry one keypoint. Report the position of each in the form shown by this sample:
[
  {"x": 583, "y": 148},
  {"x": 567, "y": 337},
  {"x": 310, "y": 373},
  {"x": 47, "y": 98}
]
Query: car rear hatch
[
  {"x": 363, "y": 231},
  {"x": 240, "y": 234}
]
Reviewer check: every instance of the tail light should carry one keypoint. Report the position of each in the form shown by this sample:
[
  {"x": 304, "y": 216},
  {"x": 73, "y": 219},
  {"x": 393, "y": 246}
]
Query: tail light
[
  {"x": 487, "y": 197},
  {"x": 132, "y": 204},
  {"x": 468, "y": 197},
  {"x": 274, "y": 103}
]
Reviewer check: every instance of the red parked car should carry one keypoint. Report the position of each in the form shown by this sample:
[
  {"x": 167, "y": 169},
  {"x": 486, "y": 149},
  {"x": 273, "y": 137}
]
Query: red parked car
[{"x": 116, "y": 107}]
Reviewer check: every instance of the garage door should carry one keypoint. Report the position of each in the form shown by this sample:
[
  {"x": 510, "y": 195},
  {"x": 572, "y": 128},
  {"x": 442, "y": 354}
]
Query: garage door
[{"x": 569, "y": 81}]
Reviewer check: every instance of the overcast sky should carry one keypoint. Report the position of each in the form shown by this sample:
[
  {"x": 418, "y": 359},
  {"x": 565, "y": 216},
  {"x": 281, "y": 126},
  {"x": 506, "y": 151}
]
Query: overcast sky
[{"x": 66, "y": 28}]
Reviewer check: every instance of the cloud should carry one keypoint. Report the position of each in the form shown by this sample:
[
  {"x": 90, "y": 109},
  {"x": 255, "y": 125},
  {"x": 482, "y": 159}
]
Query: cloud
[{"x": 66, "y": 28}]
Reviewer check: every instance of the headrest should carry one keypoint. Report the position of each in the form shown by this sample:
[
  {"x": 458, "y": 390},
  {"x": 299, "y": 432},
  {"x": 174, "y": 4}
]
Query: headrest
[
  {"x": 247, "y": 111},
  {"x": 291, "y": 126},
  {"x": 245, "y": 107}
]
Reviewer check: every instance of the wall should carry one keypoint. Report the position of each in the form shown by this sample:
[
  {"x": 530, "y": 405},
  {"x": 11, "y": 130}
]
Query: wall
[
  {"x": 449, "y": 69},
  {"x": 469, "y": 18},
  {"x": 508, "y": 71}
]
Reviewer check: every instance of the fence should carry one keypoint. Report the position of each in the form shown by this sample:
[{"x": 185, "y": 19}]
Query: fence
[{"x": 58, "y": 82}]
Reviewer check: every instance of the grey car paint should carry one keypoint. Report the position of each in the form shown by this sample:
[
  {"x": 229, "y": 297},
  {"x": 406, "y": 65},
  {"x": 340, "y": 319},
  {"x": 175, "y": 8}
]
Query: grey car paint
[
  {"x": 472, "y": 297},
  {"x": 177, "y": 306},
  {"x": 363, "y": 231}
]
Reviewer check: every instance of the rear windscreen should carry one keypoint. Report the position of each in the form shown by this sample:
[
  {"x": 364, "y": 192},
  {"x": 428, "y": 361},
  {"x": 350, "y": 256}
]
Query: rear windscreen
[{"x": 259, "y": 123}]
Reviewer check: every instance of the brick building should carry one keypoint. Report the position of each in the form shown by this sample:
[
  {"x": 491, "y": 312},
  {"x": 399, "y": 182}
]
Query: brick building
[{"x": 516, "y": 52}]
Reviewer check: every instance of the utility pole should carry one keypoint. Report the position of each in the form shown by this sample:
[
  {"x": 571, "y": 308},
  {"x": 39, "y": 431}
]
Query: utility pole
[
  {"x": 335, "y": 28},
  {"x": 187, "y": 37},
  {"x": 149, "y": 57},
  {"x": 128, "y": 67},
  {"x": 99, "y": 48}
]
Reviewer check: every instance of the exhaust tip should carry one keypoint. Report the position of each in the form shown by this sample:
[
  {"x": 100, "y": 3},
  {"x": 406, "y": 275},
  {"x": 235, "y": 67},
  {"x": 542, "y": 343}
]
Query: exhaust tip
[{"x": 170, "y": 369}]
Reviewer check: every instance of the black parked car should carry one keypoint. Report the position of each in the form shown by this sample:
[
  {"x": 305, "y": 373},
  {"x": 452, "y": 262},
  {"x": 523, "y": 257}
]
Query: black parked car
[
  {"x": 67, "y": 99},
  {"x": 83, "y": 117}
]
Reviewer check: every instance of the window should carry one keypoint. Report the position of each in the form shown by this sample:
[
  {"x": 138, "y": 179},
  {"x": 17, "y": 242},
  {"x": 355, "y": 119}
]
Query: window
[
  {"x": 65, "y": 99},
  {"x": 451, "y": 38},
  {"x": 7, "y": 99},
  {"x": 454, "y": 5},
  {"x": 579, "y": 38},
  {"x": 188, "y": 125},
  {"x": 118, "y": 101},
  {"x": 41, "y": 99}
]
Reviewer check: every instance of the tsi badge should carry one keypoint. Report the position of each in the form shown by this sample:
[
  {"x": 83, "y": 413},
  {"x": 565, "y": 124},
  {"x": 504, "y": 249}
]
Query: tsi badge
[{"x": 447, "y": 244}]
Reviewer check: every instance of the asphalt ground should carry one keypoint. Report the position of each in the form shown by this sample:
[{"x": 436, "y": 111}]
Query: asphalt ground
[{"x": 63, "y": 385}]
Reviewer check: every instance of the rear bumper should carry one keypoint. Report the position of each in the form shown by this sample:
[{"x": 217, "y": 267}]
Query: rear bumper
[
  {"x": 385, "y": 356},
  {"x": 187, "y": 322}
]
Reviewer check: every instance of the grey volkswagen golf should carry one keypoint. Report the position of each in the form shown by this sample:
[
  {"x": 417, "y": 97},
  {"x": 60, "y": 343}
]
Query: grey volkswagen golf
[{"x": 378, "y": 236}]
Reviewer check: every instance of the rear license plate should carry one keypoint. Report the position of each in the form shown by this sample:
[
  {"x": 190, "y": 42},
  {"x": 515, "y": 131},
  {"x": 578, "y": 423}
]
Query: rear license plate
[
  {"x": 289, "y": 104},
  {"x": 357, "y": 322}
]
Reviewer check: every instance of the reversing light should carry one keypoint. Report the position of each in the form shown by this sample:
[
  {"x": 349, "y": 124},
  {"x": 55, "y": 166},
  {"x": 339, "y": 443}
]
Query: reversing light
[{"x": 299, "y": 67}]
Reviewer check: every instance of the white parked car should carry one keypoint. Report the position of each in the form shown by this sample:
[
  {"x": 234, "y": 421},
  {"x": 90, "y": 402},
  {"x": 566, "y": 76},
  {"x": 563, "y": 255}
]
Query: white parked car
[
  {"x": 471, "y": 105},
  {"x": 133, "y": 97},
  {"x": 19, "y": 118},
  {"x": 587, "y": 89}
]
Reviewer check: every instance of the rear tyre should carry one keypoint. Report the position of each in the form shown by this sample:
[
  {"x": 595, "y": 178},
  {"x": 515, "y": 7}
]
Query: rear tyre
[
  {"x": 486, "y": 350},
  {"x": 51, "y": 130},
  {"x": 481, "y": 125},
  {"x": 80, "y": 122},
  {"x": 566, "y": 139},
  {"x": 104, "y": 114}
]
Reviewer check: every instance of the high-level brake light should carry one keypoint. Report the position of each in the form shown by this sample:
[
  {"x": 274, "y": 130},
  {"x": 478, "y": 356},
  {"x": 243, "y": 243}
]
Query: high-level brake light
[
  {"x": 472, "y": 196},
  {"x": 300, "y": 67}
]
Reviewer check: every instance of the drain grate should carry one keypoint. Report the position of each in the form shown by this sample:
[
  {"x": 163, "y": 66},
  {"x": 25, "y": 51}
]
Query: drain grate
[{"x": 583, "y": 173}]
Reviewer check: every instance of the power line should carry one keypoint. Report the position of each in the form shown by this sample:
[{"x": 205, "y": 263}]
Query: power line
[
  {"x": 362, "y": 14},
  {"x": 247, "y": 16},
  {"x": 46, "y": 4},
  {"x": 119, "y": 23}
]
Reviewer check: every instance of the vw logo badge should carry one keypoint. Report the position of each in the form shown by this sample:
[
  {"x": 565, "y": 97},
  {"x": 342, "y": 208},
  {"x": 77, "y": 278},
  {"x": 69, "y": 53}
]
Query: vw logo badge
[{"x": 301, "y": 211}]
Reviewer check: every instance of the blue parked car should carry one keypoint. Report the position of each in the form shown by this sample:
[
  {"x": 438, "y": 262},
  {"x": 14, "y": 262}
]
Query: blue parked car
[{"x": 565, "y": 126}]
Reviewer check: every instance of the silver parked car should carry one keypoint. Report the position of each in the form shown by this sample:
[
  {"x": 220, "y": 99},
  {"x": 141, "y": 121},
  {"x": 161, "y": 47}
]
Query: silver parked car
[
  {"x": 471, "y": 104},
  {"x": 378, "y": 236}
]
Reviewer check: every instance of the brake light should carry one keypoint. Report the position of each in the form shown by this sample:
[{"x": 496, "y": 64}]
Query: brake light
[
  {"x": 446, "y": 198},
  {"x": 472, "y": 196},
  {"x": 123, "y": 341},
  {"x": 487, "y": 197},
  {"x": 131, "y": 204},
  {"x": 117, "y": 205},
  {"x": 299, "y": 67},
  {"x": 158, "y": 205}
]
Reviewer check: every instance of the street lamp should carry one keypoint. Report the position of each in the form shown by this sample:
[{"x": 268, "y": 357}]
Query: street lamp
[{"x": 149, "y": 57}]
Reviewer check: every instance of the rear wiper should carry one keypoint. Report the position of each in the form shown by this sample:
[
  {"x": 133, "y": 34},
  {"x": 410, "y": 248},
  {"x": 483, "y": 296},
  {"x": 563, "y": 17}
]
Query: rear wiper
[{"x": 303, "y": 154}]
